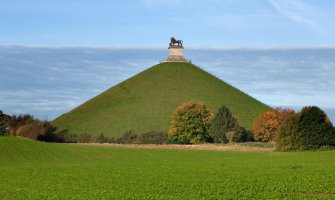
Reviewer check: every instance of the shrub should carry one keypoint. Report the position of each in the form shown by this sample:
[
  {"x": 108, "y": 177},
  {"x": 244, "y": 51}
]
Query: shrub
[
  {"x": 66, "y": 137},
  {"x": 310, "y": 129},
  {"x": 190, "y": 123},
  {"x": 153, "y": 137},
  {"x": 129, "y": 137},
  {"x": 287, "y": 138},
  {"x": 57, "y": 136},
  {"x": 265, "y": 125},
  {"x": 85, "y": 138},
  {"x": 223, "y": 124},
  {"x": 102, "y": 139},
  {"x": 247, "y": 136}
]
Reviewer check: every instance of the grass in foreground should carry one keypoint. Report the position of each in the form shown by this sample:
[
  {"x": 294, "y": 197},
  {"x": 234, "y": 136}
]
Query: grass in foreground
[{"x": 36, "y": 170}]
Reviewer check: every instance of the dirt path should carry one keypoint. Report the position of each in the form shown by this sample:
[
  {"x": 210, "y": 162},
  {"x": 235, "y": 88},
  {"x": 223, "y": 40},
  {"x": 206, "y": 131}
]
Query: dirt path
[{"x": 213, "y": 147}]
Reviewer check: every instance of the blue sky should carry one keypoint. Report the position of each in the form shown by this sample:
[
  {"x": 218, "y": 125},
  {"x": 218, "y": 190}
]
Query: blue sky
[
  {"x": 247, "y": 43},
  {"x": 149, "y": 23}
]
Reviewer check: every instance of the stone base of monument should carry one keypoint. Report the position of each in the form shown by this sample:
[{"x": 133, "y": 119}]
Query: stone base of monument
[{"x": 176, "y": 54}]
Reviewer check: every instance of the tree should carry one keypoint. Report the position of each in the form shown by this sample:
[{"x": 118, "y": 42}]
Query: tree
[
  {"x": 309, "y": 129},
  {"x": 230, "y": 136},
  {"x": 265, "y": 125},
  {"x": 190, "y": 123},
  {"x": 27, "y": 126},
  {"x": 222, "y": 123},
  {"x": 31, "y": 130},
  {"x": 286, "y": 137},
  {"x": 315, "y": 129},
  {"x": 19, "y": 121},
  {"x": 4, "y": 123}
]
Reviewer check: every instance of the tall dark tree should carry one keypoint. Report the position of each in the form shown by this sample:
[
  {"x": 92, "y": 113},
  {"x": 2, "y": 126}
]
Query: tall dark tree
[
  {"x": 315, "y": 128},
  {"x": 222, "y": 123},
  {"x": 309, "y": 129}
]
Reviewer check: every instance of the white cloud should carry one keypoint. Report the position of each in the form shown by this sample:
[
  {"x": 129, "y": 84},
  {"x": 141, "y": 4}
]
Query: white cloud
[
  {"x": 57, "y": 80},
  {"x": 294, "y": 10}
]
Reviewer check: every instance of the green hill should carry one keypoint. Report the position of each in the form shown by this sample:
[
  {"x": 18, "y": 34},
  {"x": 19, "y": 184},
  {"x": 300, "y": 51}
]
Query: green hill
[
  {"x": 19, "y": 150},
  {"x": 146, "y": 101}
]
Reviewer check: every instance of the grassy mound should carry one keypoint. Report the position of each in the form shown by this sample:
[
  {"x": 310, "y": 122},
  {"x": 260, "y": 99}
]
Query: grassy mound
[
  {"x": 19, "y": 150},
  {"x": 146, "y": 101}
]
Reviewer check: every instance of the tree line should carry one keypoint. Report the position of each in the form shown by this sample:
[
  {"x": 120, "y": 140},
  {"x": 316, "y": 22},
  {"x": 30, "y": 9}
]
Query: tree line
[
  {"x": 194, "y": 123},
  {"x": 310, "y": 129},
  {"x": 26, "y": 125}
]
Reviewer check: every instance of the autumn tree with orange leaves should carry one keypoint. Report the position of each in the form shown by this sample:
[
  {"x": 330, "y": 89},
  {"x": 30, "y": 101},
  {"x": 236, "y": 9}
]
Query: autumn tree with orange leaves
[{"x": 265, "y": 125}]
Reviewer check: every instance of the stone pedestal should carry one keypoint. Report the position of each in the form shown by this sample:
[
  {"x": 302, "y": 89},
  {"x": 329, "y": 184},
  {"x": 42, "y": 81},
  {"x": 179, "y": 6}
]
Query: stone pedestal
[{"x": 176, "y": 54}]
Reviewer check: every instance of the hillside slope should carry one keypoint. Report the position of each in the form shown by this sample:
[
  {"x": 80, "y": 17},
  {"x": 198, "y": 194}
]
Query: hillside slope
[{"x": 147, "y": 100}]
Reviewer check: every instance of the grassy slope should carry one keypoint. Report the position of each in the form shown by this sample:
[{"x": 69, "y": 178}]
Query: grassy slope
[
  {"x": 146, "y": 101},
  {"x": 36, "y": 170}
]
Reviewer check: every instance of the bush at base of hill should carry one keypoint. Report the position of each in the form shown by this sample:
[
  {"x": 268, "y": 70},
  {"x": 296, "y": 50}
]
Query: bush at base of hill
[
  {"x": 190, "y": 124},
  {"x": 315, "y": 128},
  {"x": 101, "y": 138},
  {"x": 287, "y": 137},
  {"x": 29, "y": 127},
  {"x": 308, "y": 130},
  {"x": 224, "y": 127},
  {"x": 129, "y": 137},
  {"x": 247, "y": 136},
  {"x": 266, "y": 124},
  {"x": 154, "y": 137}
]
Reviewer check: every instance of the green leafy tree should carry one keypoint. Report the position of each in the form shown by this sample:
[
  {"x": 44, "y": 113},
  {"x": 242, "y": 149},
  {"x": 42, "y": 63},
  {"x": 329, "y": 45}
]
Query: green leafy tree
[
  {"x": 315, "y": 128},
  {"x": 223, "y": 123},
  {"x": 190, "y": 124},
  {"x": 309, "y": 129},
  {"x": 287, "y": 134}
]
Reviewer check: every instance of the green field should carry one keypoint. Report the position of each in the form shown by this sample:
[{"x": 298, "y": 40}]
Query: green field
[
  {"x": 146, "y": 101},
  {"x": 36, "y": 170}
]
